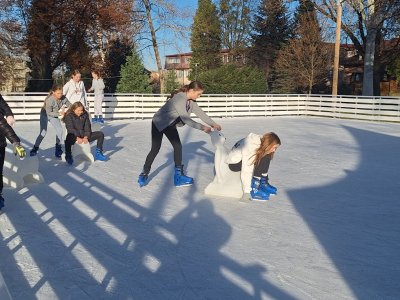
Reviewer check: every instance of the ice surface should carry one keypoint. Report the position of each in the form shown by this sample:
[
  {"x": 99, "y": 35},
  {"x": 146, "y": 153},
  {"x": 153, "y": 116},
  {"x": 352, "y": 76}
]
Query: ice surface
[{"x": 89, "y": 232}]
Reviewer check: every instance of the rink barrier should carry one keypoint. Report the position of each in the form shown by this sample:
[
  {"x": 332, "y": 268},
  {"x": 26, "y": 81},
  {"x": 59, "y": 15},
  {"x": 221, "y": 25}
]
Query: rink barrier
[{"x": 26, "y": 106}]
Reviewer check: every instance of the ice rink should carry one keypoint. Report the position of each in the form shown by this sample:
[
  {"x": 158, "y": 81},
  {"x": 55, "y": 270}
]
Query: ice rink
[{"x": 89, "y": 232}]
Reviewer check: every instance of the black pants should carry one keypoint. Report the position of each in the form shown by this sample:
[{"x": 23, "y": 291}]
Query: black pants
[
  {"x": 71, "y": 139},
  {"x": 261, "y": 168},
  {"x": 2, "y": 154},
  {"x": 156, "y": 138}
]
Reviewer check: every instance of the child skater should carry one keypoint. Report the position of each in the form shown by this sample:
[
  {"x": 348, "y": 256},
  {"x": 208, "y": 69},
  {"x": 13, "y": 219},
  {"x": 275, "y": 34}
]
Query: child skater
[
  {"x": 53, "y": 110},
  {"x": 6, "y": 131},
  {"x": 176, "y": 112},
  {"x": 79, "y": 130},
  {"x": 98, "y": 88},
  {"x": 252, "y": 156},
  {"x": 74, "y": 89}
]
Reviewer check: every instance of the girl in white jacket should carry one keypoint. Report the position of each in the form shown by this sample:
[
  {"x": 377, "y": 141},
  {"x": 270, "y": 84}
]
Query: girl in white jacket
[
  {"x": 252, "y": 156},
  {"x": 74, "y": 89},
  {"x": 98, "y": 89}
]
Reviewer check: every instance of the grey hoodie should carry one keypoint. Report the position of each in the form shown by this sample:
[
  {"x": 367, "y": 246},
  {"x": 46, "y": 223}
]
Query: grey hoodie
[
  {"x": 52, "y": 105},
  {"x": 179, "y": 107}
]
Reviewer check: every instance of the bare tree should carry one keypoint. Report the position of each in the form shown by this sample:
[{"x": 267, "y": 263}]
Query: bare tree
[
  {"x": 304, "y": 62},
  {"x": 366, "y": 23},
  {"x": 163, "y": 26}
]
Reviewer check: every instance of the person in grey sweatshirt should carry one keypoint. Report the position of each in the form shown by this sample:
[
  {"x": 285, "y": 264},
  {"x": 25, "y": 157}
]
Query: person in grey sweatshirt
[
  {"x": 176, "y": 112},
  {"x": 98, "y": 89},
  {"x": 53, "y": 109}
]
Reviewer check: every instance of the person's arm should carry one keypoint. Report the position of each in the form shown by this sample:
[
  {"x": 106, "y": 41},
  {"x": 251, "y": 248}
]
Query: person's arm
[
  {"x": 8, "y": 132},
  {"x": 69, "y": 124},
  {"x": 66, "y": 89},
  {"x": 6, "y": 111},
  {"x": 92, "y": 87},
  {"x": 87, "y": 129},
  {"x": 102, "y": 86},
  {"x": 85, "y": 102},
  {"x": 201, "y": 114},
  {"x": 179, "y": 103},
  {"x": 246, "y": 174}
]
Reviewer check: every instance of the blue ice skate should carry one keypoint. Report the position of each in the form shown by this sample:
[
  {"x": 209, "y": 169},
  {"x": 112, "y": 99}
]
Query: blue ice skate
[
  {"x": 100, "y": 120},
  {"x": 257, "y": 193},
  {"x": 266, "y": 187},
  {"x": 99, "y": 155},
  {"x": 180, "y": 179},
  {"x": 95, "y": 119},
  {"x": 142, "y": 180}
]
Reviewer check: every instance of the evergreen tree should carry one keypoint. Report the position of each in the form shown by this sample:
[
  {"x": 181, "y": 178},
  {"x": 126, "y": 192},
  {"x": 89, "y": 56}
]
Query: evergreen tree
[
  {"x": 272, "y": 30},
  {"x": 206, "y": 38},
  {"x": 171, "y": 81},
  {"x": 115, "y": 58},
  {"x": 134, "y": 77}
]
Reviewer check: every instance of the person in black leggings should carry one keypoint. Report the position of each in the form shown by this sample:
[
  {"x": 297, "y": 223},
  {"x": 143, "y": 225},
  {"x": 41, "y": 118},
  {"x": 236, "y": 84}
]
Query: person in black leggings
[{"x": 176, "y": 112}]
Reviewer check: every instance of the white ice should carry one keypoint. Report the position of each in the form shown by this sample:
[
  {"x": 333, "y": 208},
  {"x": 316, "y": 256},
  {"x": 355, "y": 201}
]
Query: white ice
[{"x": 89, "y": 231}]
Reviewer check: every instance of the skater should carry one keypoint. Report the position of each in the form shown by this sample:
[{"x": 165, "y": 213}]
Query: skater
[
  {"x": 252, "y": 156},
  {"x": 74, "y": 89},
  {"x": 6, "y": 131},
  {"x": 98, "y": 88},
  {"x": 52, "y": 111},
  {"x": 176, "y": 112},
  {"x": 79, "y": 130}
]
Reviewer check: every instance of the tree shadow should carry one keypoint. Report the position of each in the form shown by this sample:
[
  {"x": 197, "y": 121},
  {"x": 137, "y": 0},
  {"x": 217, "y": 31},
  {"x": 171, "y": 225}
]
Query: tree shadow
[{"x": 356, "y": 219}]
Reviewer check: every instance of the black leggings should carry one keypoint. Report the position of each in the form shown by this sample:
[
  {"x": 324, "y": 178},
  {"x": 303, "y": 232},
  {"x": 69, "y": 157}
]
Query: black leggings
[
  {"x": 71, "y": 139},
  {"x": 156, "y": 138},
  {"x": 2, "y": 154},
  {"x": 261, "y": 168}
]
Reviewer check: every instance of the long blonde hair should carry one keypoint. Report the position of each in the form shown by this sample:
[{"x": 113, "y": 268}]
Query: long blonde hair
[
  {"x": 268, "y": 141},
  {"x": 72, "y": 108}
]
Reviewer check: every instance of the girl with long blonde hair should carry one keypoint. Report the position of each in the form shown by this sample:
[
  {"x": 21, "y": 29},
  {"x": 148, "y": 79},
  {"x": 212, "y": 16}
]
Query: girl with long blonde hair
[{"x": 252, "y": 156}]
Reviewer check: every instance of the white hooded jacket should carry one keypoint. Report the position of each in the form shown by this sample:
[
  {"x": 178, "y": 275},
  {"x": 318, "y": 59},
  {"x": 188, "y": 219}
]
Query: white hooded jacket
[
  {"x": 75, "y": 91},
  {"x": 244, "y": 150}
]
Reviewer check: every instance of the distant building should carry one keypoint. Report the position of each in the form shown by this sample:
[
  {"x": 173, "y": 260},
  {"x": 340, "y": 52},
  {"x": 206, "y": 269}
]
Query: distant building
[{"x": 180, "y": 62}]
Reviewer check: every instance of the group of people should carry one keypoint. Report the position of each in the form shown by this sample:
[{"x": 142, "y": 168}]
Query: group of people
[
  {"x": 66, "y": 104},
  {"x": 251, "y": 155},
  {"x": 69, "y": 104}
]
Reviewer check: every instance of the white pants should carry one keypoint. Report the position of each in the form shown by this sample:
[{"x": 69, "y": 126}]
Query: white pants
[{"x": 98, "y": 101}]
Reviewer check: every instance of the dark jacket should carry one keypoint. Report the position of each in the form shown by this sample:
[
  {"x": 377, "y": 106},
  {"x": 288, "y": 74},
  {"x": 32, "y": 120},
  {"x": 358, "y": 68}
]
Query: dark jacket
[
  {"x": 6, "y": 130},
  {"x": 5, "y": 110},
  {"x": 79, "y": 126}
]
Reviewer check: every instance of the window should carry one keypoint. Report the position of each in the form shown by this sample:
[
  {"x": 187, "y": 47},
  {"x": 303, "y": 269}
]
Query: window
[{"x": 173, "y": 60}]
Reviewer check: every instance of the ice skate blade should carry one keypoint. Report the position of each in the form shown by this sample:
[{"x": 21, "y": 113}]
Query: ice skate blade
[
  {"x": 259, "y": 200},
  {"x": 188, "y": 184}
]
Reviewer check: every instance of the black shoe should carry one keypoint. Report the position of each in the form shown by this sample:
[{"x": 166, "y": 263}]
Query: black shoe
[{"x": 1, "y": 201}]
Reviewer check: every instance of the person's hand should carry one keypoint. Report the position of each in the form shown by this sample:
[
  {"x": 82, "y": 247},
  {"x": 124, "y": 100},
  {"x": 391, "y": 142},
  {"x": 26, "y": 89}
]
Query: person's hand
[
  {"x": 217, "y": 127},
  {"x": 79, "y": 140},
  {"x": 10, "y": 120},
  {"x": 85, "y": 140},
  {"x": 206, "y": 129},
  {"x": 19, "y": 150}
]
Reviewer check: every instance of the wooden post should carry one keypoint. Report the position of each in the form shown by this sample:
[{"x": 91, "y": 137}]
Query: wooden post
[{"x": 337, "y": 49}]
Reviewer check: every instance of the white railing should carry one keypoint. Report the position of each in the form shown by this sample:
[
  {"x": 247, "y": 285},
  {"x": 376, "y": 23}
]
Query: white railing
[{"x": 142, "y": 106}]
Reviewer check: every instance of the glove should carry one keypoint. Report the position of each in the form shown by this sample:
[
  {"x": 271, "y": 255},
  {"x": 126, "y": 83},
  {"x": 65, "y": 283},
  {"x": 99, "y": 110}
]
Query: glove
[
  {"x": 10, "y": 120},
  {"x": 19, "y": 151},
  {"x": 245, "y": 198}
]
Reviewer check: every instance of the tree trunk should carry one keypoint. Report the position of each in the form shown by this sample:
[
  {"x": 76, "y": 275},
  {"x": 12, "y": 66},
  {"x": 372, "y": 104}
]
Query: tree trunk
[{"x": 154, "y": 41}]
